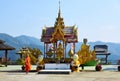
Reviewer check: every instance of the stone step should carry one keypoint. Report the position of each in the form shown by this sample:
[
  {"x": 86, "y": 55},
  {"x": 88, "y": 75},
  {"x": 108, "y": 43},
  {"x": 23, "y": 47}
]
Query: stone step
[{"x": 54, "y": 71}]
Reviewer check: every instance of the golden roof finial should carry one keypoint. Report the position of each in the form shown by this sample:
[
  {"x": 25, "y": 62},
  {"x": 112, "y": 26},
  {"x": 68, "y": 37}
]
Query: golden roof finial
[
  {"x": 59, "y": 13},
  {"x": 59, "y": 20}
]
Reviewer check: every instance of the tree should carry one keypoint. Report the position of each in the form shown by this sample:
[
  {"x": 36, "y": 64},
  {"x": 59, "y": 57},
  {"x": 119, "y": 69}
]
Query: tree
[{"x": 33, "y": 53}]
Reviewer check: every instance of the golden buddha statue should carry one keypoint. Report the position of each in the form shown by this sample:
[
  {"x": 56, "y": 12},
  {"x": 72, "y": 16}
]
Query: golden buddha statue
[
  {"x": 59, "y": 52},
  {"x": 50, "y": 52},
  {"x": 85, "y": 55},
  {"x": 71, "y": 51}
]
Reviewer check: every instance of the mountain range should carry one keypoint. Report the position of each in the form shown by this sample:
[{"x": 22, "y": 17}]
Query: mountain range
[
  {"x": 28, "y": 41},
  {"x": 19, "y": 42}
]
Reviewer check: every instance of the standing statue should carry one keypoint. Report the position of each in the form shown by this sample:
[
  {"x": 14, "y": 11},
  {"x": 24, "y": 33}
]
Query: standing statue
[
  {"x": 75, "y": 64},
  {"x": 71, "y": 51},
  {"x": 50, "y": 52},
  {"x": 59, "y": 52}
]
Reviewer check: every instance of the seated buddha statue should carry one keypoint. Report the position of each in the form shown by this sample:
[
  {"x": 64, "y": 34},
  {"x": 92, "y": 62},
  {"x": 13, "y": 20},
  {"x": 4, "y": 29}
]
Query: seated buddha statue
[{"x": 84, "y": 52}]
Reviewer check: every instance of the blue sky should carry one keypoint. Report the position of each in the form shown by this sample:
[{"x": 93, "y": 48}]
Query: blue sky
[{"x": 97, "y": 20}]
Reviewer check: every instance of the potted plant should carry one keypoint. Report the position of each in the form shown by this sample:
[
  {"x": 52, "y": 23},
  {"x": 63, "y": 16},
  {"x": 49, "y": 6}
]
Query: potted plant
[
  {"x": 23, "y": 64},
  {"x": 98, "y": 67},
  {"x": 23, "y": 67},
  {"x": 119, "y": 68}
]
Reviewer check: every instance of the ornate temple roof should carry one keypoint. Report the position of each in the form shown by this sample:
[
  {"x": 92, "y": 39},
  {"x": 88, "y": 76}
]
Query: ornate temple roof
[
  {"x": 59, "y": 32},
  {"x": 70, "y": 34}
]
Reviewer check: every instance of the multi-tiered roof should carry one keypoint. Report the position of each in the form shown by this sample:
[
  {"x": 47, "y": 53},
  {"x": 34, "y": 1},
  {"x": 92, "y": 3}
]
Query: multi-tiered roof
[{"x": 59, "y": 32}]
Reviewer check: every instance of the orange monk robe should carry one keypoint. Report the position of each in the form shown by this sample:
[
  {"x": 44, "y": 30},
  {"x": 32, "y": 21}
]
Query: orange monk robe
[{"x": 27, "y": 64}]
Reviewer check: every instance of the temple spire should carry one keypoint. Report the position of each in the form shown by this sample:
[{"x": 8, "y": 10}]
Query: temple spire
[
  {"x": 59, "y": 13},
  {"x": 59, "y": 20},
  {"x": 58, "y": 33}
]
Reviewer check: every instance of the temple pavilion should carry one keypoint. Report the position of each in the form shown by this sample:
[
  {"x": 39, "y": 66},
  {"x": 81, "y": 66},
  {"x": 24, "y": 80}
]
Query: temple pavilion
[
  {"x": 5, "y": 47},
  {"x": 58, "y": 37}
]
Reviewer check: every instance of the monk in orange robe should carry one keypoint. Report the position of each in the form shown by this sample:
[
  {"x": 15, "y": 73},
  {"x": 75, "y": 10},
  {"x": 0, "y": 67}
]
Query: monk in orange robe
[{"x": 27, "y": 64}]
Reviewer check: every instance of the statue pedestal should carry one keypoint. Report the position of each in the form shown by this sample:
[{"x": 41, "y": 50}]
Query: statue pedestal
[{"x": 54, "y": 66}]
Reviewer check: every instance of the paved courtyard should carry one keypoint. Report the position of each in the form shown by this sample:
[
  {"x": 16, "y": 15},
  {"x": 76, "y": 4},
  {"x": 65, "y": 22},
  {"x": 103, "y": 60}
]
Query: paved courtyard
[{"x": 13, "y": 73}]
